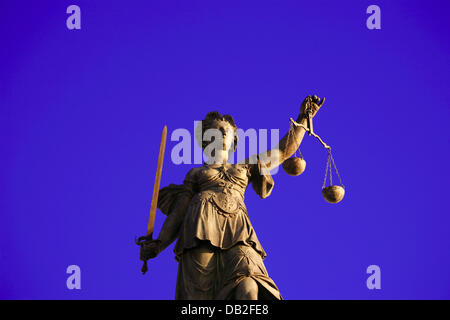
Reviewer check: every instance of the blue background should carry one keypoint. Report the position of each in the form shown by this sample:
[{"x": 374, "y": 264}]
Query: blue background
[{"x": 81, "y": 114}]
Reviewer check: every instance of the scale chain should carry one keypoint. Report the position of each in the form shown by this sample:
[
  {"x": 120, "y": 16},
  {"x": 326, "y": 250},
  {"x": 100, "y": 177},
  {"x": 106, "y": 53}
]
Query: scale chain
[
  {"x": 331, "y": 171},
  {"x": 337, "y": 172},
  {"x": 326, "y": 171},
  {"x": 330, "y": 157}
]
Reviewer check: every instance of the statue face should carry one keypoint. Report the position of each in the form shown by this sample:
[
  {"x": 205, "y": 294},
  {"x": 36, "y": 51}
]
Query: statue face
[{"x": 227, "y": 133}]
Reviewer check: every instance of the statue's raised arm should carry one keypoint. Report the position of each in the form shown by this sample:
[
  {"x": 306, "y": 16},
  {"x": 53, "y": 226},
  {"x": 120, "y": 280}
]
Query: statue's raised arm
[{"x": 289, "y": 144}]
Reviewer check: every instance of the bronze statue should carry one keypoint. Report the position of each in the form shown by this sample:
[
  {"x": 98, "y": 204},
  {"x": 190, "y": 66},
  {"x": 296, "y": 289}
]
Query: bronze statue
[{"x": 219, "y": 254}]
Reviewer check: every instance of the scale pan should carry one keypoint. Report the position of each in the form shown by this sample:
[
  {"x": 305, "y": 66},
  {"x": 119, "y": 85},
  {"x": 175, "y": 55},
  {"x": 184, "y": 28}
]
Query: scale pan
[
  {"x": 333, "y": 194},
  {"x": 294, "y": 166}
]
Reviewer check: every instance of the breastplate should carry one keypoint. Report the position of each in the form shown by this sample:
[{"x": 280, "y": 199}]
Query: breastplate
[{"x": 228, "y": 200}]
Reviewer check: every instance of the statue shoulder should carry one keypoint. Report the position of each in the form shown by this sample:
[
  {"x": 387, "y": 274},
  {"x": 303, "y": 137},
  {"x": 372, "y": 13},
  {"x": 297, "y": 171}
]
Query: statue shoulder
[{"x": 192, "y": 175}]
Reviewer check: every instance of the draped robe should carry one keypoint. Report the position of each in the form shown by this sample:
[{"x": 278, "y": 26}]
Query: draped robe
[{"x": 217, "y": 246}]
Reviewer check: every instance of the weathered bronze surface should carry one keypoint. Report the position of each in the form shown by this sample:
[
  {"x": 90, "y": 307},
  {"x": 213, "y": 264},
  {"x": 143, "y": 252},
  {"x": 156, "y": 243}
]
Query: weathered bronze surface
[{"x": 219, "y": 254}]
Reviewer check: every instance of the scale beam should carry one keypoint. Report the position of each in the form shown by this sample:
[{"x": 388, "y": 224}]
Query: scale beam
[{"x": 311, "y": 133}]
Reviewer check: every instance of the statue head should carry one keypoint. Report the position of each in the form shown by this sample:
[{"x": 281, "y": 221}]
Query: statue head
[{"x": 217, "y": 133}]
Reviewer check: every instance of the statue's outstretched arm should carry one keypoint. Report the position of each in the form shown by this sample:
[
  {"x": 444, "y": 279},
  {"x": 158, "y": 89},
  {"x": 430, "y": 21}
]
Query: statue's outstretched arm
[{"x": 291, "y": 141}]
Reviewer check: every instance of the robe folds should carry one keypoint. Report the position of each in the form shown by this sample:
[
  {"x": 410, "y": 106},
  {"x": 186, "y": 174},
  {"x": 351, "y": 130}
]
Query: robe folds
[{"x": 217, "y": 246}]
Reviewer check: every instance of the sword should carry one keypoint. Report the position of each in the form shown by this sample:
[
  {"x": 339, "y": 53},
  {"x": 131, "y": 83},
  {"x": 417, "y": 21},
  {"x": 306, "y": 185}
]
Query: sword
[{"x": 154, "y": 204}]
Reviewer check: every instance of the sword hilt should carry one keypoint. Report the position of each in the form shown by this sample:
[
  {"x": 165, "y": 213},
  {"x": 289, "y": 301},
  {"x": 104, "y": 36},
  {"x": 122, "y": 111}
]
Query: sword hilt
[
  {"x": 144, "y": 268},
  {"x": 140, "y": 242}
]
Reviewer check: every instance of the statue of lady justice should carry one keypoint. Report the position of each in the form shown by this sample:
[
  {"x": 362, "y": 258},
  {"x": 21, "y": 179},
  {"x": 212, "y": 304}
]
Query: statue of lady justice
[{"x": 219, "y": 254}]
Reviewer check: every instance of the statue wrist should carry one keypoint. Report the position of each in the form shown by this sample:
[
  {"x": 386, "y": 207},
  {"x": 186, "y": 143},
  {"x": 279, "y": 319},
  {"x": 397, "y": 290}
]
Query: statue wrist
[{"x": 301, "y": 119}]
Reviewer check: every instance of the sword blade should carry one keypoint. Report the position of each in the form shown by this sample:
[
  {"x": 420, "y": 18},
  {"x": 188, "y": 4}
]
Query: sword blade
[{"x": 151, "y": 219}]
